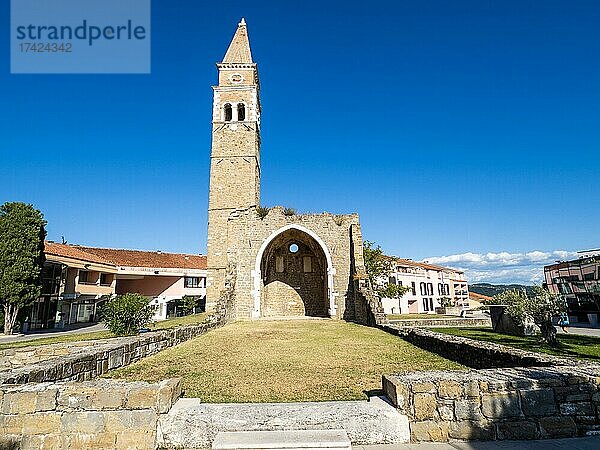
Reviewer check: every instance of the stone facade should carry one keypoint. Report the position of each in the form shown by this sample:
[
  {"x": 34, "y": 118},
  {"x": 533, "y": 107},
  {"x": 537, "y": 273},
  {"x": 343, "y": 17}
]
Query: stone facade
[
  {"x": 321, "y": 277},
  {"x": 102, "y": 414},
  {"x": 329, "y": 242},
  {"x": 235, "y": 157}
]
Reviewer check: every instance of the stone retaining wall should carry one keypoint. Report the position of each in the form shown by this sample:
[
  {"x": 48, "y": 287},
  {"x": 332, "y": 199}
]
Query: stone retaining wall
[
  {"x": 517, "y": 403},
  {"x": 84, "y": 362},
  {"x": 443, "y": 322},
  {"x": 473, "y": 353},
  {"x": 13, "y": 358},
  {"x": 516, "y": 395},
  {"x": 102, "y": 414}
]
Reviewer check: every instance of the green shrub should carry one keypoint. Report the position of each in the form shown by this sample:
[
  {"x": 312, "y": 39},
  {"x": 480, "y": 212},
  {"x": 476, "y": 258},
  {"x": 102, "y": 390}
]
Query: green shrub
[
  {"x": 262, "y": 211},
  {"x": 446, "y": 302},
  {"x": 126, "y": 314},
  {"x": 289, "y": 212}
]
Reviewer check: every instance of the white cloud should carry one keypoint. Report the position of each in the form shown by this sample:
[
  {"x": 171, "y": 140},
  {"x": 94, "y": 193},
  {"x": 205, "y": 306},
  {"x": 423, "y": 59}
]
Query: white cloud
[{"x": 503, "y": 267}]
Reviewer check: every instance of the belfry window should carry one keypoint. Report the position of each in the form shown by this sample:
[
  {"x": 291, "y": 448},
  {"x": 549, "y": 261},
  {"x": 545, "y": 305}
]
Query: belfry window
[
  {"x": 241, "y": 112},
  {"x": 228, "y": 112}
]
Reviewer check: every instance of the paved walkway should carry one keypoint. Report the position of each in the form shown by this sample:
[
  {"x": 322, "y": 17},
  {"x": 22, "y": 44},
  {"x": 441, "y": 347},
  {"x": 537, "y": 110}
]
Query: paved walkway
[
  {"x": 585, "y": 443},
  {"x": 581, "y": 329},
  {"x": 74, "y": 329}
]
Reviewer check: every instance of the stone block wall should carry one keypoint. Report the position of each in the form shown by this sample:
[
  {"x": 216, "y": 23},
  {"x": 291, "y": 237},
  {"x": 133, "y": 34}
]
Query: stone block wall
[
  {"x": 102, "y": 414},
  {"x": 13, "y": 358},
  {"x": 473, "y": 353},
  {"x": 85, "y": 360},
  {"x": 517, "y": 403}
]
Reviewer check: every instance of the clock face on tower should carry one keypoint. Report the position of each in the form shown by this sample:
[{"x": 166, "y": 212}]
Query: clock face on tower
[{"x": 236, "y": 78}]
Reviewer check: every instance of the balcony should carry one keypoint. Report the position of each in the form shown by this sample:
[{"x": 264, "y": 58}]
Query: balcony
[{"x": 590, "y": 286}]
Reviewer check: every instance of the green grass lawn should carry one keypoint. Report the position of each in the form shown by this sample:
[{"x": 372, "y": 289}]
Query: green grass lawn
[
  {"x": 584, "y": 347},
  {"x": 417, "y": 316},
  {"x": 284, "y": 361},
  {"x": 92, "y": 336}
]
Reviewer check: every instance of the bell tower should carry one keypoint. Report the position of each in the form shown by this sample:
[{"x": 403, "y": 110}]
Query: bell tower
[{"x": 235, "y": 154}]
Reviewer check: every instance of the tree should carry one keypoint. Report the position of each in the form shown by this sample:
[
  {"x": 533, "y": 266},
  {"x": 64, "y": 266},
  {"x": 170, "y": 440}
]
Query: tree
[
  {"x": 378, "y": 266},
  {"x": 376, "y": 263},
  {"x": 538, "y": 307},
  {"x": 126, "y": 314},
  {"x": 392, "y": 290},
  {"x": 189, "y": 303},
  {"x": 22, "y": 234}
]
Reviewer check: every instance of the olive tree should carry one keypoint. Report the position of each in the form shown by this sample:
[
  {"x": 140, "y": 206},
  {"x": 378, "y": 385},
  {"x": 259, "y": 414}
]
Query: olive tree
[
  {"x": 376, "y": 263},
  {"x": 125, "y": 314},
  {"x": 378, "y": 266},
  {"x": 538, "y": 307},
  {"x": 22, "y": 234}
]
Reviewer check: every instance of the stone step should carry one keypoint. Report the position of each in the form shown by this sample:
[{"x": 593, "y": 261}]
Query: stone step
[
  {"x": 289, "y": 440},
  {"x": 193, "y": 424}
]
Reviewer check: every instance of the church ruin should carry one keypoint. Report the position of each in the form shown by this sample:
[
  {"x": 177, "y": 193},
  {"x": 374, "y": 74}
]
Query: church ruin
[{"x": 271, "y": 263}]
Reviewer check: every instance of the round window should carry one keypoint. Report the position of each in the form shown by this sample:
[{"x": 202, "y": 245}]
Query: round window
[
  {"x": 236, "y": 78},
  {"x": 293, "y": 248}
]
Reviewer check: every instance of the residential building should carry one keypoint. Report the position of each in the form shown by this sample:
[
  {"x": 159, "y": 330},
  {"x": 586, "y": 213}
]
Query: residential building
[
  {"x": 579, "y": 281},
  {"x": 77, "y": 280},
  {"x": 428, "y": 284},
  {"x": 477, "y": 300}
]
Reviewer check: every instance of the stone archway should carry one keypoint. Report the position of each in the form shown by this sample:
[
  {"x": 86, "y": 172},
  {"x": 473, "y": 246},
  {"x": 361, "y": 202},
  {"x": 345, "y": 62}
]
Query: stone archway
[{"x": 293, "y": 275}]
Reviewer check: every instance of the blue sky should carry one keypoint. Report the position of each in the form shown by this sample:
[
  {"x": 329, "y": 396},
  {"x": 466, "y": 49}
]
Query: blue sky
[{"x": 452, "y": 127}]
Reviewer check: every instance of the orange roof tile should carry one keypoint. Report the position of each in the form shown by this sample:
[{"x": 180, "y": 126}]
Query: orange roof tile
[
  {"x": 410, "y": 262},
  {"x": 129, "y": 258},
  {"x": 70, "y": 251},
  {"x": 479, "y": 297}
]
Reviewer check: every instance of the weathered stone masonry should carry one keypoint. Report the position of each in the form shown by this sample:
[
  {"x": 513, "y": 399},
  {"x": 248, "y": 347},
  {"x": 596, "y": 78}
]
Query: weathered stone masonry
[
  {"x": 516, "y": 394},
  {"x": 270, "y": 280},
  {"x": 86, "y": 360},
  {"x": 102, "y": 414},
  {"x": 249, "y": 235}
]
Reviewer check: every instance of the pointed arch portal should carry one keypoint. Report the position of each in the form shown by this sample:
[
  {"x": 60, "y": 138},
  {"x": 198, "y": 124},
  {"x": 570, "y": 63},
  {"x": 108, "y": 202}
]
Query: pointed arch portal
[{"x": 293, "y": 275}]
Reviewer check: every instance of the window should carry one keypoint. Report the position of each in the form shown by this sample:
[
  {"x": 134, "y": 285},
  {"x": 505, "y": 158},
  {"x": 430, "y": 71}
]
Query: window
[
  {"x": 429, "y": 288},
  {"x": 228, "y": 112},
  {"x": 241, "y": 112},
  {"x": 293, "y": 248},
  {"x": 414, "y": 288},
  {"x": 105, "y": 279},
  {"x": 279, "y": 264},
  {"x": 391, "y": 280},
  {"x": 423, "y": 288},
  {"x": 191, "y": 282},
  {"x": 307, "y": 263},
  {"x": 443, "y": 289},
  {"x": 84, "y": 276},
  {"x": 426, "y": 303}
]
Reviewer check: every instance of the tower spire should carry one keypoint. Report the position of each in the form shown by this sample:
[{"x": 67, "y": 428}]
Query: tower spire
[{"x": 239, "y": 49}]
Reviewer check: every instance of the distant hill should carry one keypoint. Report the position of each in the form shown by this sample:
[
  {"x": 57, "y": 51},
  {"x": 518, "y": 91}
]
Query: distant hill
[{"x": 494, "y": 289}]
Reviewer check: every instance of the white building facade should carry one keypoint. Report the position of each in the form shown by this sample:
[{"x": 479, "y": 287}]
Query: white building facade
[{"x": 428, "y": 285}]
